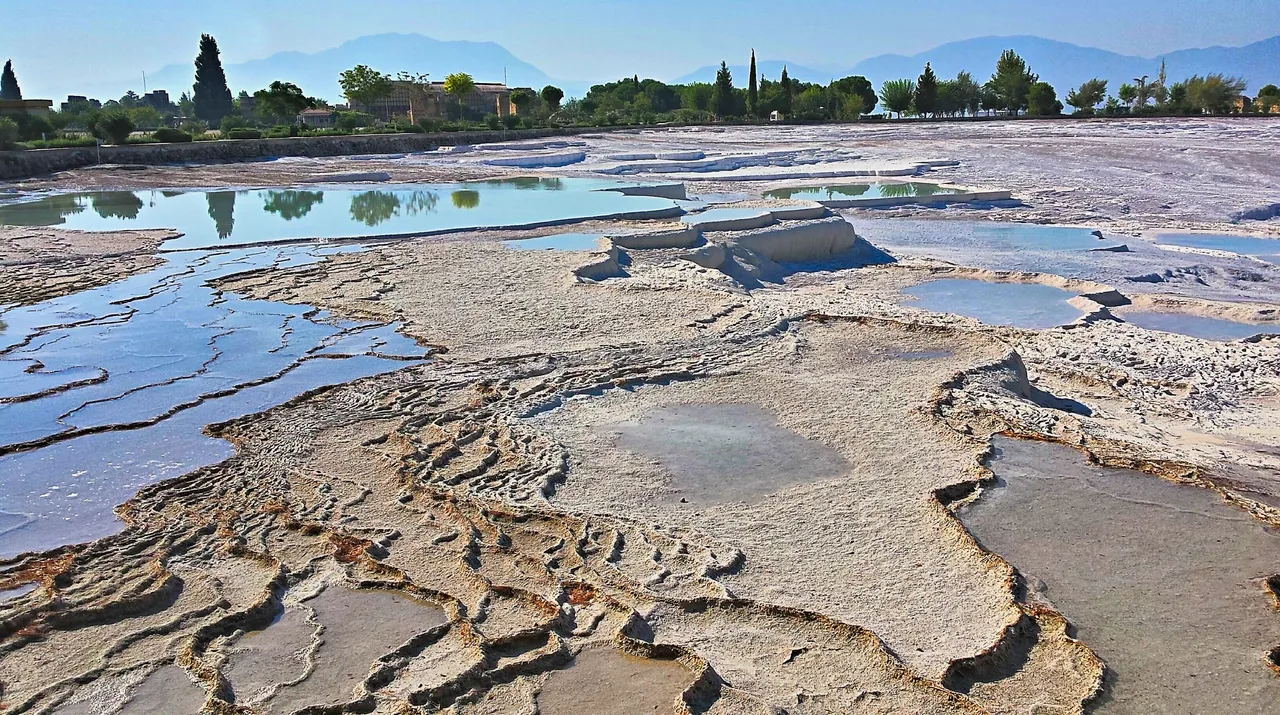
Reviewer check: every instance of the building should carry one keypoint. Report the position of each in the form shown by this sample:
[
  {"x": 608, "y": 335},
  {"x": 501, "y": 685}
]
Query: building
[
  {"x": 416, "y": 101},
  {"x": 28, "y": 106},
  {"x": 159, "y": 99},
  {"x": 318, "y": 118},
  {"x": 75, "y": 101}
]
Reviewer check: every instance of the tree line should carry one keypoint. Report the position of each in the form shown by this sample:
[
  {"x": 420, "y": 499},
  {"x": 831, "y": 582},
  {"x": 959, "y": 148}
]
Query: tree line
[{"x": 1012, "y": 89}]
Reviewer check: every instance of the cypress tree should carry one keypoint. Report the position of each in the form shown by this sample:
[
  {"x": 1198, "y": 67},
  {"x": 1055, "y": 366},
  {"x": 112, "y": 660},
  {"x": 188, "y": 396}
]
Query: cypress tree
[
  {"x": 210, "y": 92},
  {"x": 753, "y": 90},
  {"x": 927, "y": 92},
  {"x": 786, "y": 92},
  {"x": 9, "y": 83}
]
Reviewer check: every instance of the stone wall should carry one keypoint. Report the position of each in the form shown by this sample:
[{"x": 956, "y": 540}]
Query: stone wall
[{"x": 23, "y": 164}]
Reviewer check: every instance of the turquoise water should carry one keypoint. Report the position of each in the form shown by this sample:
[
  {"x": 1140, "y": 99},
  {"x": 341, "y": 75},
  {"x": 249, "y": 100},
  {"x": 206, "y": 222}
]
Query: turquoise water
[
  {"x": 559, "y": 242},
  {"x": 210, "y": 219},
  {"x": 1268, "y": 249},
  {"x": 1199, "y": 326},
  {"x": 1021, "y": 305},
  {"x": 887, "y": 190}
]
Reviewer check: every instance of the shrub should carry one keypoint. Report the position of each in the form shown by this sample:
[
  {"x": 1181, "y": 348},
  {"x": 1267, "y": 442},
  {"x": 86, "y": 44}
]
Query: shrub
[
  {"x": 512, "y": 121},
  {"x": 493, "y": 121},
  {"x": 353, "y": 120},
  {"x": 170, "y": 135},
  {"x": 116, "y": 126},
  {"x": 242, "y": 134},
  {"x": 61, "y": 143},
  {"x": 32, "y": 127},
  {"x": 430, "y": 124},
  {"x": 281, "y": 131},
  {"x": 8, "y": 133},
  {"x": 232, "y": 122},
  {"x": 408, "y": 128}
]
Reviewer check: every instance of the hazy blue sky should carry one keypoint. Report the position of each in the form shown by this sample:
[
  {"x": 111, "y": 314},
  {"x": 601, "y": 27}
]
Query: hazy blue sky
[{"x": 56, "y": 45}]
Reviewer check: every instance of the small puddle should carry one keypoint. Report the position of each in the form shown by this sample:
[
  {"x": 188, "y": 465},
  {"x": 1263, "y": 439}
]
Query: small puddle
[
  {"x": 560, "y": 242},
  {"x": 1163, "y": 581},
  {"x": 211, "y": 219},
  {"x": 727, "y": 453},
  {"x": 1267, "y": 249},
  {"x": 167, "y": 691},
  {"x": 359, "y": 628},
  {"x": 878, "y": 190},
  {"x": 270, "y": 657},
  {"x": 1021, "y": 305},
  {"x": 604, "y": 681},
  {"x": 1198, "y": 326}
]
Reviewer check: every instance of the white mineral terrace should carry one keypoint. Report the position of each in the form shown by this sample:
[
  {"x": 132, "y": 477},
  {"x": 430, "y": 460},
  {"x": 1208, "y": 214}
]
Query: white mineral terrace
[{"x": 935, "y": 418}]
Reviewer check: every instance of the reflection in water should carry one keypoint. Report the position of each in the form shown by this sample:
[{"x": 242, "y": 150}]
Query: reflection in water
[
  {"x": 52, "y": 211},
  {"x": 465, "y": 199},
  {"x": 289, "y": 205},
  {"x": 529, "y": 182},
  {"x": 888, "y": 190},
  {"x": 374, "y": 207},
  {"x": 222, "y": 207},
  {"x": 117, "y": 204}
]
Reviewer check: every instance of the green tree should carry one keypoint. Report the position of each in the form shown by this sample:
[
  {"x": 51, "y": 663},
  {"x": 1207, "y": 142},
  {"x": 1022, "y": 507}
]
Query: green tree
[
  {"x": 282, "y": 100},
  {"x": 186, "y": 105},
  {"x": 968, "y": 93},
  {"x": 753, "y": 90},
  {"x": 724, "y": 96},
  {"x": 523, "y": 100},
  {"x": 860, "y": 86},
  {"x": 897, "y": 95},
  {"x": 787, "y": 92},
  {"x": 145, "y": 117},
  {"x": 927, "y": 92},
  {"x": 459, "y": 85},
  {"x": 1012, "y": 81},
  {"x": 1214, "y": 93},
  {"x": 1088, "y": 95},
  {"x": 210, "y": 93},
  {"x": 116, "y": 126},
  {"x": 851, "y": 108},
  {"x": 364, "y": 85},
  {"x": 1042, "y": 100},
  {"x": 1128, "y": 94},
  {"x": 949, "y": 103},
  {"x": 8, "y": 133},
  {"x": 552, "y": 96},
  {"x": 9, "y": 88}
]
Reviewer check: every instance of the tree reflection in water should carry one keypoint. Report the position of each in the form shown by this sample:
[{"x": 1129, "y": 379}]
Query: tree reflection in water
[
  {"x": 374, "y": 207},
  {"x": 222, "y": 206},
  {"x": 465, "y": 199},
  {"x": 289, "y": 205}
]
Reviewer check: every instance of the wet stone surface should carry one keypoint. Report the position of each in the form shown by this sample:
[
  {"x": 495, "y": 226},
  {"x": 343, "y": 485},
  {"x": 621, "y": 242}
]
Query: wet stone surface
[
  {"x": 560, "y": 242},
  {"x": 726, "y": 453},
  {"x": 1163, "y": 581},
  {"x": 604, "y": 681}
]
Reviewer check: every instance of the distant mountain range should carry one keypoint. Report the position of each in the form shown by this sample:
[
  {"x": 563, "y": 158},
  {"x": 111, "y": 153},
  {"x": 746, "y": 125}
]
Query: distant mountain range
[
  {"x": 317, "y": 73},
  {"x": 1062, "y": 64}
]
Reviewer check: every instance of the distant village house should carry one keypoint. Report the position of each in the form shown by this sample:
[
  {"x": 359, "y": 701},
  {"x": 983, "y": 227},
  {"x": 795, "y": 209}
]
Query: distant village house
[
  {"x": 318, "y": 118},
  {"x": 416, "y": 101}
]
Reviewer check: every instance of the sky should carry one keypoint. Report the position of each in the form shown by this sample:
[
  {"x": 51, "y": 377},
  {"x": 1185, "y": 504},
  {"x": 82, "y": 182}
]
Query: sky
[{"x": 57, "y": 47}]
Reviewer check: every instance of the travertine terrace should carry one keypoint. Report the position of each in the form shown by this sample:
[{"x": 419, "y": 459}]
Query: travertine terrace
[{"x": 711, "y": 471}]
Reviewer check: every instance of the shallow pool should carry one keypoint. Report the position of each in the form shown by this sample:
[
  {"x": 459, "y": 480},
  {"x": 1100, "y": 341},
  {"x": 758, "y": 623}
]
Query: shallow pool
[
  {"x": 1021, "y": 305},
  {"x": 717, "y": 215},
  {"x": 1198, "y": 326},
  {"x": 1268, "y": 249},
  {"x": 226, "y": 218},
  {"x": 109, "y": 390},
  {"x": 878, "y": 190},
  {"x": 559, "y": 242}
]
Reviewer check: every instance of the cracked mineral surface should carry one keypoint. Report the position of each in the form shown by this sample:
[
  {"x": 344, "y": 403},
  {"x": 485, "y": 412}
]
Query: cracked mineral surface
[{"x": 776, "y": 459}]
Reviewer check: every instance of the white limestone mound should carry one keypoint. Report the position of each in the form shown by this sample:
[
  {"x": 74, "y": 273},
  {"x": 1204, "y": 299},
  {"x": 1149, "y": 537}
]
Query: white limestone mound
[
  {"x": 540, "y": 161},
  {"x": 345, "y": 177},
  {"x": 803, "y": 241}
]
